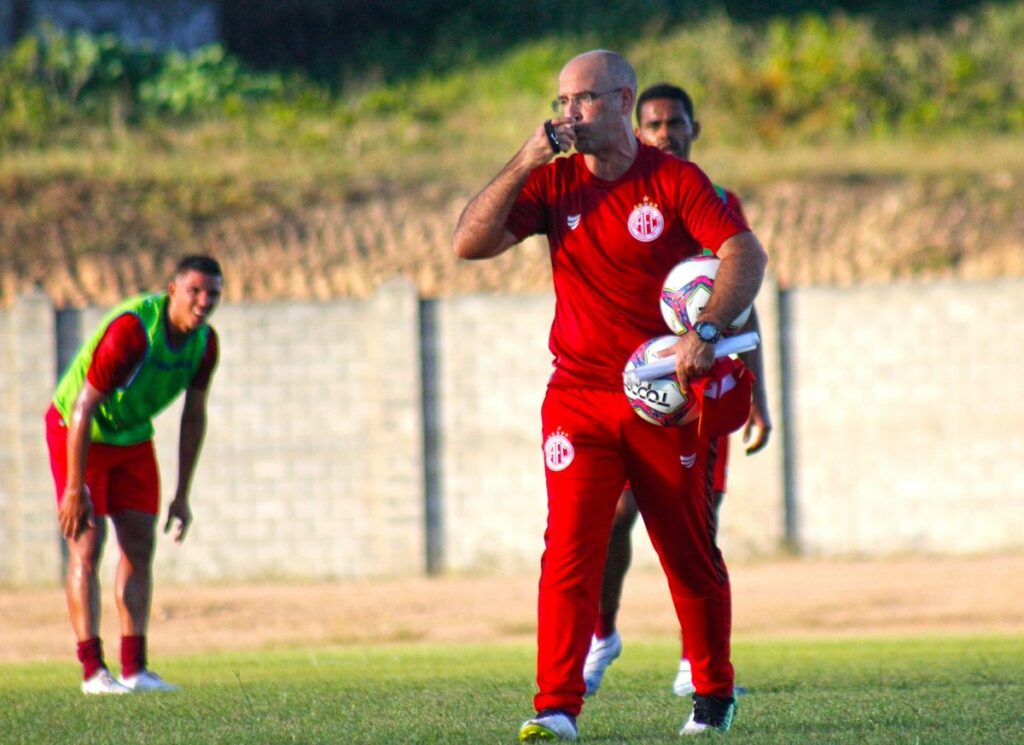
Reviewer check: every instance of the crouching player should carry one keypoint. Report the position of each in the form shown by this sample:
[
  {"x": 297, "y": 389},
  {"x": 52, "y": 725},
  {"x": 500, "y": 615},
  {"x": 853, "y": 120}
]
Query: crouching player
[{"x": 99, "y": 431}]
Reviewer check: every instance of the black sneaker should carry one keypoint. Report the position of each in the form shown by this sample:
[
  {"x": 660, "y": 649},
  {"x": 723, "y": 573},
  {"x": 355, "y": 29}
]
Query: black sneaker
[{"x": 709, "y": 713}]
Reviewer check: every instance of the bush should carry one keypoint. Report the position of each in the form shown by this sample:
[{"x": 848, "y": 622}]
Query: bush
[
  {"x": 207, "y": 81},
  {"x": 53, "y": 79},
  {"x": 813, "y": 78}
]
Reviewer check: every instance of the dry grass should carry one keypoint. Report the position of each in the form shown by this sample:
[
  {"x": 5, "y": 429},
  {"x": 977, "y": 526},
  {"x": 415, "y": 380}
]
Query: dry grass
[
  {"x": 90, "y": 241},
  {"x": 336, "y": 219}
]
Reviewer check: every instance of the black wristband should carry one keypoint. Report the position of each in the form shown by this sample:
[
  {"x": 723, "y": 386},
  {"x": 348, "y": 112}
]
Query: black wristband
[{"x": 549, "y": 129}]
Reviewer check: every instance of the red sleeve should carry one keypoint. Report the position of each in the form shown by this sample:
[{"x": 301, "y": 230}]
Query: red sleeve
[
  {"x": 735, "y": 205},
  {"x": 529, "y": 213},
  {"x": 204, "y": 374},
  {"x": 119, "y": 353},
  {"x": 707, "y": 217}
]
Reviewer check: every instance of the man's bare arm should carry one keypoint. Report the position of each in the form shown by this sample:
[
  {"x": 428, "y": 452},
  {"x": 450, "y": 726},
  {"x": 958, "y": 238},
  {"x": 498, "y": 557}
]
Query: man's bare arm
[
  {"x": 481, "y": 232},
  {"x": 190, "y": 443},
  {"x": 738, "y": 280},
  {"x": 75, "y": 513},
  {"x": 759, "y": 424}
]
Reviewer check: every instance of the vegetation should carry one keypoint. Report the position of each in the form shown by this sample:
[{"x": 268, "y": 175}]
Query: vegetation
[
  {"x": 337, "y": 42},
  {"x": 112, "y": 158},
  {"x": 836, "y": 691},
  {"x": 802, "y": 80}
]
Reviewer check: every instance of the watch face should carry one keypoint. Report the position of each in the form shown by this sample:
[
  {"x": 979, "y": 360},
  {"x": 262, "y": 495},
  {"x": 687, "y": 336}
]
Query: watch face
[{"x": 706, "y": 331}]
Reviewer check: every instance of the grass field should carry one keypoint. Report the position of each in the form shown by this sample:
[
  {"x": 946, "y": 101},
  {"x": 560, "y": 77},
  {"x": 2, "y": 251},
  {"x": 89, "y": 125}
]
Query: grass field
[{"x": 922, "y": 690}]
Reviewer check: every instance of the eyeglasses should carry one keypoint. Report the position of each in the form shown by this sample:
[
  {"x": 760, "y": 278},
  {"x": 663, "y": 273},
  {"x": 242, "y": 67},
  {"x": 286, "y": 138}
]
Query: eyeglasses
[{"x": 583, "y": 99}]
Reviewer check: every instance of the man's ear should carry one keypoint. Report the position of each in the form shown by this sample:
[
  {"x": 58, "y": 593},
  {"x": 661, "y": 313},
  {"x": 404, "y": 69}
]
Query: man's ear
[
  {"x": 696, "y": 131},
  {"x": 628, "y": 98}
]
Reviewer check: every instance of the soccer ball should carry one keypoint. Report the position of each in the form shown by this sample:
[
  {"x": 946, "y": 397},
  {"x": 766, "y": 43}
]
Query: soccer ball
[
  {"x": 662, "y": 401},
  {"x": 686, "y": 291}
]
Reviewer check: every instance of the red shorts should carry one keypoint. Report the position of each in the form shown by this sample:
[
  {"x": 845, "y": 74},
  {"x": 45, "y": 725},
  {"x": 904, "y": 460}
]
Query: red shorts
[{"x": 119, "y": 477}]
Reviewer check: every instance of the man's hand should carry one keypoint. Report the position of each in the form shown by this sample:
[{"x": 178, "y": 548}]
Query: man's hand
[
  {"x": 693, "y": 357},
  {"x": 180, "y": 511},
  {"x": 759, "y": 427},
  {"x": 75, "y": 513},
  {"x": 481, "y": 231},
  {"x": 540, "y": 146}
]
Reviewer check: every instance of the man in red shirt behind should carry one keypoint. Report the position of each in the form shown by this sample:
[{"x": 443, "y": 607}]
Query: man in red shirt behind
[
  {"x": 99, "y": 432},
  {"x": 618, "y": 216}
]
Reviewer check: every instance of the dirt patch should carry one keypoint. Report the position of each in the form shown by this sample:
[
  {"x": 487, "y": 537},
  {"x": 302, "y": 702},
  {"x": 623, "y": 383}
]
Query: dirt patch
[
  {"x": 91, "y": 242},
  {"x": 771, "y": 599}
]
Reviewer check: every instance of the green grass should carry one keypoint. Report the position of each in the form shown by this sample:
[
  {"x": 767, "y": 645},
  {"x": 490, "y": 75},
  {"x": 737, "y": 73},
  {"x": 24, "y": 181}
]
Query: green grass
[{"x": 922, "y": 690}]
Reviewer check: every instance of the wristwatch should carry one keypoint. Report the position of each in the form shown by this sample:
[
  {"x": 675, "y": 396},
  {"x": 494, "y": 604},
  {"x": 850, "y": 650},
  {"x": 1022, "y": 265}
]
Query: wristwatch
[{"x": 708, "y": 332}]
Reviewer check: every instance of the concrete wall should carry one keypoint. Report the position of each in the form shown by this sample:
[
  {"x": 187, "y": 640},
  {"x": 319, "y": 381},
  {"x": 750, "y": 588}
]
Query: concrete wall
[
  {"x": 908, "y": 404},
  {"x": 389, "y": 436},
  {"x": 29, "y": 537},
  {"x": 313, "y": 458},
  {"x": 493, "y": 373}
]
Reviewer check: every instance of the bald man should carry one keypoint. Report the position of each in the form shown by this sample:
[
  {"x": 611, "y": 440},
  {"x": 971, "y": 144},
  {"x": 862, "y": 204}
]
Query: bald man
[{"x": 618, "y": 216}]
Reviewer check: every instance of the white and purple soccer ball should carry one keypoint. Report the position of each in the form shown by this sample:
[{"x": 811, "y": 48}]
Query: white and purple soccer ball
[
  {"x": 687, "y": 289},
  {"x": 661, "y": 401}
]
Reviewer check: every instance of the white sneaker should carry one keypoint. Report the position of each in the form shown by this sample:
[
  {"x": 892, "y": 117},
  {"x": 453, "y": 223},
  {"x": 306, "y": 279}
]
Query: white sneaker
[
  {"x": 102, "y": 683},
  {"x": 683, "y": 684},
  {"x": 550, "y": 725},
  {"x": 603, "y": 652},
  {"x": 147, "y": 682}
]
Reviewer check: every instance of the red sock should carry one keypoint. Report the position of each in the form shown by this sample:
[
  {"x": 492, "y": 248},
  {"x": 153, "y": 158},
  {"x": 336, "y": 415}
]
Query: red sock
[
  {"x": 605, "y": 625},
  {"x": 90, "y": 654},
  {"x": 133, "y": 655}
]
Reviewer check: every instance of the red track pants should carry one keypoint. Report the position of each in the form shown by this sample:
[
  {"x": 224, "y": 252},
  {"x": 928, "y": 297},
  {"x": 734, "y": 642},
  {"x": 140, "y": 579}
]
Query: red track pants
[{"x": 593, "y": 442}]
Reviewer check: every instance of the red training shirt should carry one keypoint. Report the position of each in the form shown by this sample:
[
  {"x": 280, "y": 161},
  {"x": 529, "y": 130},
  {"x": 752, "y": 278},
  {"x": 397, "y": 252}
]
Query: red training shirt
[{"x": 612, "y": 243}]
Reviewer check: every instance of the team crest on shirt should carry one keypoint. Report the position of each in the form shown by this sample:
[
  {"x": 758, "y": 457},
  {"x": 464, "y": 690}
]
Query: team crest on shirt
[
  {"x": 646, "y": 222},
  {"x": 558, "y": 450}
]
